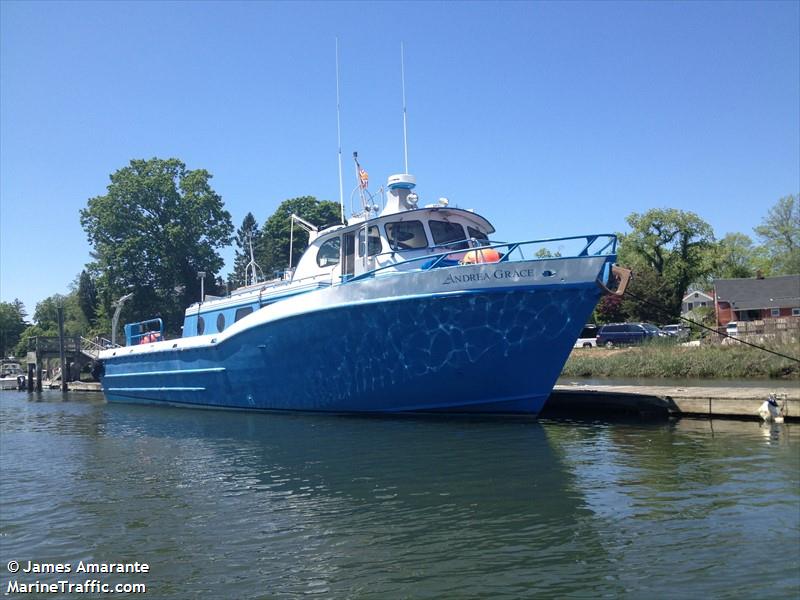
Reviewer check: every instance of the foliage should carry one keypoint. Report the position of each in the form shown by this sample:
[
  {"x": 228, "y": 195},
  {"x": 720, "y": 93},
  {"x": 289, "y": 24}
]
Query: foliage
[
  {"x": 12, "y": 325},
  {"x": 273, "y": 249},
  {"x": 780, "y": 235},
  {"x": 87, "y": 296},
  {"x": 710, "y": 361},
  {"x": 247, "y": 233},
  {"x": 609, "y": 310},
  {"x": 46, "y": 315},
  {"x": 647, "y": 298},
  {"x": 671, "y": 249},
  {"x": 735, "y": 257},
  {"x": 157, "y": 226}
]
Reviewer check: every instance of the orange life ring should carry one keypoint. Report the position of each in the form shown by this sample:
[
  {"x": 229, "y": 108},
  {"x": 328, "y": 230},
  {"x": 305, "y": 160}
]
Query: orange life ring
[{"x": 482, "y": 255}]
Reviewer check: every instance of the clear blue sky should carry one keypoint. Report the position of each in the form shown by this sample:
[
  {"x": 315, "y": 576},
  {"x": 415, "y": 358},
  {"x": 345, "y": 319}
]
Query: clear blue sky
[{"x": 550, "y": 119}]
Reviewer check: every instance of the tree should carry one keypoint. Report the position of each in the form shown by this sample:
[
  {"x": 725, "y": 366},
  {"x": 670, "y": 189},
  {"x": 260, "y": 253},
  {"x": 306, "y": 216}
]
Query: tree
[
  {"x": 676, "y": 246},
  {"x": 246, "y": 235},
  {"x": 87, "y": 296},
  {"x": 735, "y": 257},
  {"x": 273, "y": 249},
  {"x": 12, "y": 324},
  {"x": 157, "y": 226},
  {"x": 780, "y": 235}
]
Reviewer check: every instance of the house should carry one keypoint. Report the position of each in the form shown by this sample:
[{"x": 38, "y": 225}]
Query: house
[
  {"x": 696, "y": 299},
  {"x": 757, "y": 298}
]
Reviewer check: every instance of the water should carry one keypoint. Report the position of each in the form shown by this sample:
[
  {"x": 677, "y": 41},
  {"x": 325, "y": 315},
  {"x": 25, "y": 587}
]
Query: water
[{"x": 239, "y": 505}]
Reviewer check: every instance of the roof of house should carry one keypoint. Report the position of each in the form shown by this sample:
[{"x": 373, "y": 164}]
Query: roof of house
[
  {"x": 754, "y": 293},
  {"x": 690, "y": 296}
]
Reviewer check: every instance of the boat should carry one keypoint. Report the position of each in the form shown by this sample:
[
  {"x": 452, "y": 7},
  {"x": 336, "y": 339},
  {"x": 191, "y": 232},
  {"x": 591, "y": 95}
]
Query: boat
[
  {"x": 12, "y": 377},
  {"x": 405, "y": 308}
]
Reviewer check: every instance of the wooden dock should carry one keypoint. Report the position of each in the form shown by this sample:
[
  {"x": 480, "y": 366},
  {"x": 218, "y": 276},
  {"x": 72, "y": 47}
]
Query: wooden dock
[{"x": 669, "y": 400}]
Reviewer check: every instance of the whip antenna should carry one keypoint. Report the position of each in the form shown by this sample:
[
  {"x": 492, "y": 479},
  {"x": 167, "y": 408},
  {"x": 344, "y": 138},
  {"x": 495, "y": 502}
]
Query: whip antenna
[
  {"x": 339, "y": 133},
  {"x": 405, "y": 122}
]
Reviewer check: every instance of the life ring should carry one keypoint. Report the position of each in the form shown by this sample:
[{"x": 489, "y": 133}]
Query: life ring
[{"x": 482, "y": 255}]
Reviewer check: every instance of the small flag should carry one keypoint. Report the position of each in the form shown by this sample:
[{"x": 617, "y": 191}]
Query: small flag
[{"x": 363, "y": 177}]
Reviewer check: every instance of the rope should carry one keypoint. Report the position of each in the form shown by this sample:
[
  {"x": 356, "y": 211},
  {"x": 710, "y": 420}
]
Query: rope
[{"x": 663, "y": 310}]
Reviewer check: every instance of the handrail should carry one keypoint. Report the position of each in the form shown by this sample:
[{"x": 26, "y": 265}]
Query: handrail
[{"x": 608, "y": 249}]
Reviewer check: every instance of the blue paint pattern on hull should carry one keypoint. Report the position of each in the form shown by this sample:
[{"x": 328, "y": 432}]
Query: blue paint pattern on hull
[{"x": 491, "y": 351}]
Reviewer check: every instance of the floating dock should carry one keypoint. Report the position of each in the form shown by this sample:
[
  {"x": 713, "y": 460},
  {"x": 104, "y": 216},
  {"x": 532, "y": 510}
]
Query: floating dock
[
  {"x": 646, "y": 401},
  {"x": 663, "y": 401}
]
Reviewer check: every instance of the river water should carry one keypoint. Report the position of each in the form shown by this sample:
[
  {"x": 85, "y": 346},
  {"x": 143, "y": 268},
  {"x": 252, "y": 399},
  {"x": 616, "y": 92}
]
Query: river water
[{"x": 242, "y": 505}]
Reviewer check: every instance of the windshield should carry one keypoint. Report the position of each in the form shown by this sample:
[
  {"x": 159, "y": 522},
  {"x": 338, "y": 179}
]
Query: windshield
[{"x": 649, "y": 327}]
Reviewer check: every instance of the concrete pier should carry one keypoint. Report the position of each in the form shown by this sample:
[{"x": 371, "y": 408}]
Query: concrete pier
[{"x": 670, "y": 400}]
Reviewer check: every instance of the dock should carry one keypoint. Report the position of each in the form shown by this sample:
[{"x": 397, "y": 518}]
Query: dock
[
  {"x": 663, "y": 401},
  {"x": 643, "y": 401}
]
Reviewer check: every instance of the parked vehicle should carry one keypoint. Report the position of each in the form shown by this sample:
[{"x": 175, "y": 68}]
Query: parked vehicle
[
  {"x": 620, "y": 334},
  {"x": 732, "y": 328},
  {"x": 587, "y": 338},
  {"x": 677, "y": 330}
]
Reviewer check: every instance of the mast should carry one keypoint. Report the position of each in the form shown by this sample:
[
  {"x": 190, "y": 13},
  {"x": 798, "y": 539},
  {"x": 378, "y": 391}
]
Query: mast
[
  {"x": 405, "y": 122},
  {"x": 339, "y": 133}
]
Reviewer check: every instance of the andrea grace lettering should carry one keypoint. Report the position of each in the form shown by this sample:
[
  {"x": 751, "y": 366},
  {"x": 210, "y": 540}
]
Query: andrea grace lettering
[{"x": 512, "y": 274}]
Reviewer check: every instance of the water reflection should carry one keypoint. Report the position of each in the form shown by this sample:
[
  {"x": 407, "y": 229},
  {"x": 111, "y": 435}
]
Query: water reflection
[{"x": 280, "y": 505}]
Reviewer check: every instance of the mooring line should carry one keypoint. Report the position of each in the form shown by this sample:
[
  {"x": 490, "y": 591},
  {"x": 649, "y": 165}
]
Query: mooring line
[{"x": 711, "y": 329}]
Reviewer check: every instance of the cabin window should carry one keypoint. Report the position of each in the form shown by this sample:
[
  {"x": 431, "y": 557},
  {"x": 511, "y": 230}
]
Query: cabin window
[
  {"x": 406, "y": 235},
  {"x": 201, "y": 325},
  {"x": 445, "y": 233},
  {"x": 328, "y": 253},
  {"x": 373, "y": 241},
  {"x": 477, "y": 234},
  {"x": 220, "y": 322},
  {"x": 241, "y": 313}
]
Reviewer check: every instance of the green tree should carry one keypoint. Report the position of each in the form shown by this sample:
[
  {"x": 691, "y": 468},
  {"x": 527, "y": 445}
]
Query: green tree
[
  {"x": 735, "y": 257},
  {"x": 248, "y": 233},
  {"x": 780, "y": 235},
  {"x": 273, "y": 249},
  {"x": 12, "y": 324},
  {"x": 157, "y": 226},
  {"x": 46, "y": 315},
  {"x": 670, "y": 249},
  {"x": 644, "y": 300},
  {"x": 87, "y": 296}
]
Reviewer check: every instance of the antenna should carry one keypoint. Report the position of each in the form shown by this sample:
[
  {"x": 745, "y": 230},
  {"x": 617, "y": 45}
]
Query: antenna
[
  {"x": 339, "y": 132},
  {"x": 252, "y": 268},
  {"x": 405, "y": 122}
]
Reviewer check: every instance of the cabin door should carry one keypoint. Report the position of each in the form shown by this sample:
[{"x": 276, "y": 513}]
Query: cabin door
[{"x": 348, "y": 255}]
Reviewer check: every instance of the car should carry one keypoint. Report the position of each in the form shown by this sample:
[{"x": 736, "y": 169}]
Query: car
[
  {"x": 620, "y": 334},
  {"x": 587, "y": 338},
  {"x": 732, "y": 328},
  {"x": 677, "y": 330}
]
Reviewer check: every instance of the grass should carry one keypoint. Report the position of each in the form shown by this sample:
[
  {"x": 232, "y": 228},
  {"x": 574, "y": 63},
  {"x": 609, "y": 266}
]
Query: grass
[{"x": 659, "y": 360}]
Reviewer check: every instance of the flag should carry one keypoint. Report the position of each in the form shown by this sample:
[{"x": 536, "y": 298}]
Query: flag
[{"x": 363, "y": 177}]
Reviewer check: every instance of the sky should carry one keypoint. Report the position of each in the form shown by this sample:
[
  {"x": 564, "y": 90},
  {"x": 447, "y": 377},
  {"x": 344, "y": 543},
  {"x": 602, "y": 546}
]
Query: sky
[{"x": 550, "y": 119}]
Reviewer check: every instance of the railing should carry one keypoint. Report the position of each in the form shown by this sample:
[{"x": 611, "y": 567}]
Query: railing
[
  {"x": 94, "y": 347},
  {"x": 605, "y": 245},
  {"x": 144, "y": 332}
]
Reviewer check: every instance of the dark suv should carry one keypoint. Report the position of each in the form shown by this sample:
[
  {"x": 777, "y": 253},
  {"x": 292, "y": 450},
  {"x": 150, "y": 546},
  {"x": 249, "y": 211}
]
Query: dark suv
[{"x": 619, "y": 334}]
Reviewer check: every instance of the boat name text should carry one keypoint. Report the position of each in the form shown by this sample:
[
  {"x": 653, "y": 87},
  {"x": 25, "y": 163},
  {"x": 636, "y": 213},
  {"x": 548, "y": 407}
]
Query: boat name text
[{"x": 483, "y": 276}]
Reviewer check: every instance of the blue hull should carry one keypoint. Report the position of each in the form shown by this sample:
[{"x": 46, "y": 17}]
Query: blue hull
[{"x": 482, "y": 351}]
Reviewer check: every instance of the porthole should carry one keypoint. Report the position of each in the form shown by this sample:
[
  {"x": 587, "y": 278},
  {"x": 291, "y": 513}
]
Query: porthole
[
  {"x": 201, "y": 325},
  {"x": 220, "y": 322}
]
